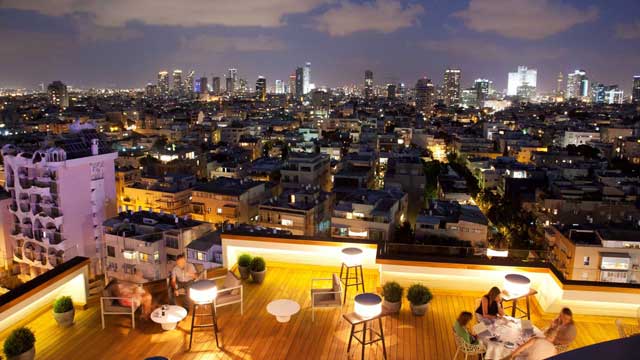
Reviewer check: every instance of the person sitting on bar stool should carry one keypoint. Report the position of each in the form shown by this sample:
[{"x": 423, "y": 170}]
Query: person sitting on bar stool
[
  {"x": 490, "y": 305},
  {"x": 182, "y": 276}
]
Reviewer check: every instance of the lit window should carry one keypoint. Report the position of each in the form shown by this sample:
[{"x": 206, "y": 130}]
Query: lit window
[
  {"x": 200, "y": 256},
  {"x": 287, "y": 222},
  {"x": 219, "y": 210},
  {"x": 586, "y": 260},
  {"x": 129, "y": 255}
]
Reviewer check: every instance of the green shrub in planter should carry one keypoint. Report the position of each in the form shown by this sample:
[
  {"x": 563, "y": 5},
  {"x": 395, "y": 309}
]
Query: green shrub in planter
[
  {"x": 419, "y": 297},
  {"x": 258, "y": 264},
  {"x": 258, "y": 269},
  {"x": 62, "y": 305},
  {"x": 244, "y": 260},
  {"x": 20, "y": 341},
  {"x": 392, "y": 291}
]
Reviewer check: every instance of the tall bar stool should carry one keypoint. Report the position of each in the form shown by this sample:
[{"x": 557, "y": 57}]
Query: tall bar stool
[
  {"x": 203, "y": 293},
  {"x": 351, "y": 259},
  {"x": 367, "y": 309}
]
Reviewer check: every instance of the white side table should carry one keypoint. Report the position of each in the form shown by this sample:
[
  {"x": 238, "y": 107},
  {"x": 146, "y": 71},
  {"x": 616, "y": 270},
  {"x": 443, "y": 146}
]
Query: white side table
[
  {"x": 282, "y": 309},
  {"x": 173, "y": 314}
]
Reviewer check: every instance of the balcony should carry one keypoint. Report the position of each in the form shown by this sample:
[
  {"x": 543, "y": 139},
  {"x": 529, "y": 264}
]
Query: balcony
[
  {"x": 25, "y": 183},
  {"x": 13, "y": 206}
]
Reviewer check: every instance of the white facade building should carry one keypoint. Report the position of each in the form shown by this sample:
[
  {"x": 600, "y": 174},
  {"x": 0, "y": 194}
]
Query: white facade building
[
  {"x": 59, "y": 198},
  {"x": 522, "y": 77}
]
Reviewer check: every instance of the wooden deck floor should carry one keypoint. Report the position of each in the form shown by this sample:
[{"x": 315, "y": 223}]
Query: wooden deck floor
[{"x": 257, "y": 335}]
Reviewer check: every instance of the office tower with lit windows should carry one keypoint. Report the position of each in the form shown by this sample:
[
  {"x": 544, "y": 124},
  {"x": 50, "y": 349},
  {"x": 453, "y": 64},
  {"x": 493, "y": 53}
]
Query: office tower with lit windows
[
  {"x": 524, "y": 80},
  {"x": 188, "y": 83},
  {"x": 58, "y": 94},
  {"x": 163, "y": 82},
  {"x": 401, "y": 90},
  {"x": 215, "y": 85},
  {"x": 279, "y": 87},
  {"x": 607, "y": 94},
  {"x": 261, "y": 88},
  {"x": 560, "y": 87},
  {"x": 299, "y": 83},
  {"x": 178, "y": 84},
  {"x": 635, "y": 91},
  {"x": 482, "y": 89},
  {"x": 425, "y": 93},
  {"x": 391, "y": 91},
  {"x": 368, "y": 84},
  {"x": 451, "y": 86},
  {"x": 578, "y": 85},
  {"x": 306, "y": 82},
  {"x": 292, "y": 84},
  {"x": 232, "y": 81}
]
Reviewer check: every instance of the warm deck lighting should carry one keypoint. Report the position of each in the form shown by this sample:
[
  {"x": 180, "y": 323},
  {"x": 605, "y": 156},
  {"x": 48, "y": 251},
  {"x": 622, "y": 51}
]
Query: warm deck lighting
[
  {"x": 497, "y": 253},
  {"x": 516, "y": 284},
  {"x": 368, "y": 305},
  {"x": 352, "y": 256},
  {"x": 203, "y": 291}
]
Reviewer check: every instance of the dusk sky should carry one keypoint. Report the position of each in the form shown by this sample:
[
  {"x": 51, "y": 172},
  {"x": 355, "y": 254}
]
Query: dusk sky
[{"x": 124, "y": 43}]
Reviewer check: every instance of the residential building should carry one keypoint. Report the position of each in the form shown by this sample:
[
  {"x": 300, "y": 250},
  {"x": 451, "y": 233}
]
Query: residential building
[
  {"x": 59, "y": 197},
  {"x": 450, "y": 219},
  {"x": 306, "y": 169},
  {"x": 303, "y": 211},
  {"x": 168, "y": 194},
  {"x": 58, "y": 94},
  {"x": 228, "y": 201},
  {"x": 425, "y": 93}
]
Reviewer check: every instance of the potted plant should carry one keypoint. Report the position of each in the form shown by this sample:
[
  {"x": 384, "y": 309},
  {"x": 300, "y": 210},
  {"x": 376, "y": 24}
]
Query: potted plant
[
  {"x": 244, "y": 262},
  {"x": 392, "y": 294},
  {"x": 63, "y": 311},
  {"x": 419, "y": 297},
  {"x": 19, "y": 345},
  {"x": 258, "y": 269}
]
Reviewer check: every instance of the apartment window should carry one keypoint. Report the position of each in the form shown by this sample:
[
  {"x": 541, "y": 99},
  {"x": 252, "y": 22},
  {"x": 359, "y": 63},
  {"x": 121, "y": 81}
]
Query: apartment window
[
  {"x": 143, "y": 257},
  {"x": 129, "y": 268},
  {"x": 172, "y": 242},
  {"x": 287, "y": 222},
  {"x": 200, "y": 256},
  {"x": 586, "y": 260},
  {"x": 129, "y": 255},
  {"x": 219, "y": 211},
  {"x": 156, "y": 256},
  {"x": 111, "y": 251}
]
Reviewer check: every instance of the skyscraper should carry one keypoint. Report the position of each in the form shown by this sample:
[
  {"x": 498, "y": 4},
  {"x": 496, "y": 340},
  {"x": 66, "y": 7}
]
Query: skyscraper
[
  {"x": 163, "y": 82},
  {"x": 368, "y": 84},
  {"x": 482, "y": 89},
  {"x": 306, "y": 83},
  {"x": 523, "y": 80},
  {"x": 178, "y": 84},
  {"x": 299, "y": 83},
  {"x": 232, "y": 81},
  {"x": 215, "y": 85},
  {"x": 635, "y": 92},
  {"x": 578, "y": 85},
  {"x": 204, "y": 86},
  {"x": 279, "y": 87},
  {"x": 58, "y": 94},
  {"x": 424, "y": 95},
  {"x": 292, "y": 84},
  {"x": 261, "y": 88},
  {"x": 391, "y": 91},
  {"x": 560, "y": 87},
  {"x": 188, "y": 83},
  {"x": 452, "y": 86}
]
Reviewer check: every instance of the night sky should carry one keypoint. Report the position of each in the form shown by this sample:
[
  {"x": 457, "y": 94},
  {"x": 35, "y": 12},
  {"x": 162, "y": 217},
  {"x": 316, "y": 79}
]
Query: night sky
[{"x": 124, "y": 43}]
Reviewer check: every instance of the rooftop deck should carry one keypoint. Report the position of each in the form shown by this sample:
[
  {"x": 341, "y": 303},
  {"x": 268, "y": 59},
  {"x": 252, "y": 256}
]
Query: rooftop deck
[{"x": 257, "y": 335}]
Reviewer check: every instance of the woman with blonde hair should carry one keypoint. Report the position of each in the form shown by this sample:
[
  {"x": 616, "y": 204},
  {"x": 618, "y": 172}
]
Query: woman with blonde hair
[{"x": 537, "y": 348}]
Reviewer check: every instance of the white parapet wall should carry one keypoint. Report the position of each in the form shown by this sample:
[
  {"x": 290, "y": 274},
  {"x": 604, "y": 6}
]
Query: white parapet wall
[
  {"x": 293, "y": 251},
  {"x": 552, "y": 295},
  {"x": 73, "y": 282}
]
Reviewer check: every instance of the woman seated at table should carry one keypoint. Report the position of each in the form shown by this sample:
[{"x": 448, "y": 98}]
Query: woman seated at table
[
  {"x": 491, "y": 305},
  {"x": 537, "y": 348},
  {"x": 460, "y": 327},
  {"x": 135, "y": 293}
]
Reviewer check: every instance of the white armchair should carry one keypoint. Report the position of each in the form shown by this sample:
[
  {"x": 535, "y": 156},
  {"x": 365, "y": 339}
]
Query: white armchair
[
  {"x": 325, "y": 297},
  {"x": 468, "y": 349},
  {"x": 112, "y": 305},
  {"x": 230, "y": 292}
]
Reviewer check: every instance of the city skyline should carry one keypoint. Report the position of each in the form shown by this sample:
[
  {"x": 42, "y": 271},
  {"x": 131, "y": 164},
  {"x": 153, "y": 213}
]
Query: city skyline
[{"x": 398, "y": 41}]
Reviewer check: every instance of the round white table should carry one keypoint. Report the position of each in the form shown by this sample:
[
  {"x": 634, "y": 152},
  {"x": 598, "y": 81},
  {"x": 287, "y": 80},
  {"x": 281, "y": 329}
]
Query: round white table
[
  {"x": 173, "y": 314},
  {"x": 509, "y": 334},
  {"x": 282, "y": 309}
]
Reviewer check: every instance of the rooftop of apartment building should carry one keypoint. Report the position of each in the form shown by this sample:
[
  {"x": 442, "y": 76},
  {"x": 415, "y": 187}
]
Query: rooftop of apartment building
[
  {"x": 304, "y": 198},
  {"x": 304, "y": 157},
  {"x": 381, "y": 200},
  {"x": 76, "y": 144},
  {"x": 206, "y": 241},
  {"x": 145, "y": 222},
  {"x": 451, "y": 212},
  {"x": 228, "y": 186},
  {"x": 170, "y": 183}
]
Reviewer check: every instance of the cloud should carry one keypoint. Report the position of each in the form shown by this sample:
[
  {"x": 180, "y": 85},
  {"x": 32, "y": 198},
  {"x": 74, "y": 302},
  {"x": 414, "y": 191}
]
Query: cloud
[
  {"x": 486, "y": 51},
  {"x": 628, "y": 31},
  {"x": 383, "y": 16},
  {"x": 87, "y": 30},
  {"x": 224, "y": 44},
  {"x": 117, "y": 13},
  {"x": 524, "y": 19}
]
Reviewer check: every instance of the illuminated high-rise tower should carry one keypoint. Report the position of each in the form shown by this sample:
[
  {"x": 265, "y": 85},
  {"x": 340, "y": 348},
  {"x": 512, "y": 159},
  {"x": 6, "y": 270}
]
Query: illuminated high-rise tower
[
  {"x": 578, "y": 85},
  {"x": 424, "y": 95},
  {"x": 178, "y": 84},
  {"x": 306, "y": 82},
  {"x": 261, "y": 88},
  {"x": 635, "y": 91},
  {"x": 279, "y": 87},
  {"x": 299, "y": 83},
  {"x": 560, "y": 87},
  {"x": 451, "y": 86},
  {"x": 163, "y": 82},
  {"x": 524, "y": 79},
  {"x": 368, "y": 84},
  {"x": 58, "y": 94}
]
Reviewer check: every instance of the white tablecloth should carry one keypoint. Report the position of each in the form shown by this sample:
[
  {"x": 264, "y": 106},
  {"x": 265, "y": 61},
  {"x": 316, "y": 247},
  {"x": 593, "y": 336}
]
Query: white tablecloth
[{"x": 506, "y": 330}]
